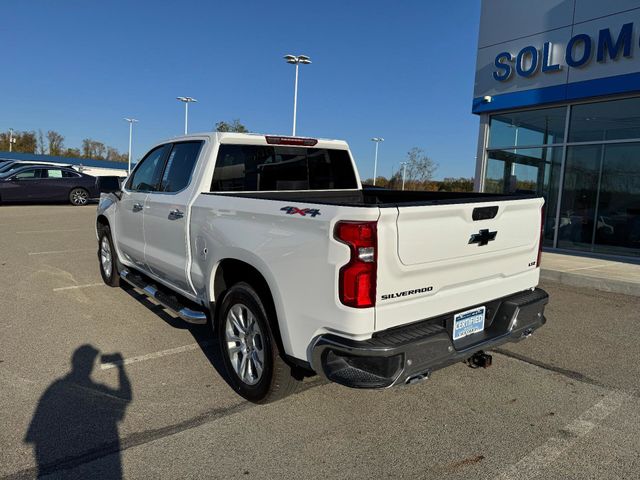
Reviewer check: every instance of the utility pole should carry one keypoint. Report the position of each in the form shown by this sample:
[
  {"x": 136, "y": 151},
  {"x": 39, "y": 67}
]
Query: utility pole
[
  {"x": 404, "y": 172},
  {"x": 187, "y": 101},
  {"x": 375, "y": 162},
  {"x": 11, "y": 139},
  {"x": 296, "y": 60},
  {"x": 131, "y": 122}
]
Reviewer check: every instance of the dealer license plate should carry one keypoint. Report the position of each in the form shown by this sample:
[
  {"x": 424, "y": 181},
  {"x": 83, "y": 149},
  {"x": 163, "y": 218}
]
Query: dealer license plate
[{"x": 469, "y": 322}]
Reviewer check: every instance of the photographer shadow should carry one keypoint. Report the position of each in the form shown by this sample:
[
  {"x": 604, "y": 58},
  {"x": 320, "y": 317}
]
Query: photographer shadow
[{"x": 76, "y": 416}]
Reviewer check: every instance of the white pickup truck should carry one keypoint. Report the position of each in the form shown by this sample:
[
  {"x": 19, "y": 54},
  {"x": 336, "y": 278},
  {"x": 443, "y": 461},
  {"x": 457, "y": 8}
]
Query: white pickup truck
[{"x": 299, "y": 269}]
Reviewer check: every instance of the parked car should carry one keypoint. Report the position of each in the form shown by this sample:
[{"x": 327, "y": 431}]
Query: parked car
[
  {"x": 43, "y": 183},
  {"x": 300, "y": 269}
]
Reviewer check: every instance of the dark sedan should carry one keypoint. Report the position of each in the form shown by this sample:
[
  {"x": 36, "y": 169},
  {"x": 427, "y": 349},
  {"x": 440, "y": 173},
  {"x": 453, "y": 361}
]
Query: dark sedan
[{"x": 37, "y": 183}]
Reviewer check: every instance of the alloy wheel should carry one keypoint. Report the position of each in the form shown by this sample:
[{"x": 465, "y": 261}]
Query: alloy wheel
[
  {"x": 245, "y": 343},
  {"x": 105, "y": 257},
  {"x": 79, "y": 197}
]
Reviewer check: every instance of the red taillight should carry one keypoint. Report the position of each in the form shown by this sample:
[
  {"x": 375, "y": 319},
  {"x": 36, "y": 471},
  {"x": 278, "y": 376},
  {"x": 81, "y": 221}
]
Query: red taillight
[
  {"x": 302, "y": 142},
  {"x": 539, "y": 260},
  {"x": 357, "y": 281}
]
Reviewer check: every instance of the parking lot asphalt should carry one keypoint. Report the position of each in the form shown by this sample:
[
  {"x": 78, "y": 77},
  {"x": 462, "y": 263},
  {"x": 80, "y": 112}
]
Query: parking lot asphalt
[{"x": 562, "y": 404}]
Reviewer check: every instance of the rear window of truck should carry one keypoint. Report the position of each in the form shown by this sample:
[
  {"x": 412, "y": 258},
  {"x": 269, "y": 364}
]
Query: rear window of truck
[{"x": 257, "y": 168}]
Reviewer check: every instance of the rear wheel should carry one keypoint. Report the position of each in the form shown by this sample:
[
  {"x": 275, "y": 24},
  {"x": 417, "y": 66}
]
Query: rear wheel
[
  {"x": 108, "y": 258},
  {"x": 79, "y": 196},
  {"x": 249, "y": 350}
]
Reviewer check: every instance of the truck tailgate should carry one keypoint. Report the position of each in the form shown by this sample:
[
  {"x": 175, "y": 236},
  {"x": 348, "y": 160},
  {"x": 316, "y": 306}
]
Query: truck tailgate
[{"x": 435, "y": 259}]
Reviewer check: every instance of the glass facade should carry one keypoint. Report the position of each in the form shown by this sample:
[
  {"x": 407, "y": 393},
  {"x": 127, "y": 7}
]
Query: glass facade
[{"x": 585, "y": 160}]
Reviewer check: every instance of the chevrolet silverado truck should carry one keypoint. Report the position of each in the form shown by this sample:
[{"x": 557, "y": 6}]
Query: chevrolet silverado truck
[{"x": 274, "y": 242}]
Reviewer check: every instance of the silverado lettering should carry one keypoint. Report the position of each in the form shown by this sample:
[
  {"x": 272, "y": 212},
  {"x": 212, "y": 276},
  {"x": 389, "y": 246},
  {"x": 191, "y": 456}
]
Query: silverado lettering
[{"x": 389, "y": 296}]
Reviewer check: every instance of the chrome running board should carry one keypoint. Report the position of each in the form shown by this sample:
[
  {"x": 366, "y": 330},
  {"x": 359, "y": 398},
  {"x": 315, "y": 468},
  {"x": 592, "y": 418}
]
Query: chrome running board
[{"x": 167, "y": 301}]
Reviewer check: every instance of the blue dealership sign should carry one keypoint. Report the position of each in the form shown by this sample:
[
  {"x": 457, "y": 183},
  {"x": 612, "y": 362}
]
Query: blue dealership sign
[
  {"x": 589, "y": 59},
  {"x": 578, "y": 53}
]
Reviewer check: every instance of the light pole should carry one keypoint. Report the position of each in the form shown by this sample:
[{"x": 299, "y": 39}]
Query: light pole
[
  {"x": 375, "y": 161},
  {"x": 11, "y": 139},
  {"x": 187, "y": 101},
  {"x": 404, "y": 172},
  {"x": 131, "y": 122},
  {"x": 296, "y": 60}
]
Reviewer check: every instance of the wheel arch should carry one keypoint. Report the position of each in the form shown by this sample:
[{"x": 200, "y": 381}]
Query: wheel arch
[
  {"x": 102, "y": 221},
  {"x": 230, "y": 271}
]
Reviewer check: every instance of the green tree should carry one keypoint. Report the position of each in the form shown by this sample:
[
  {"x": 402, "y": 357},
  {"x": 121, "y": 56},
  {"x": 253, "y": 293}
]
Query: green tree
[
  {"x": 114, "y": 155},
  {"x": 93, "y": 149},
  {"x": 456, "y": 185},
  {"x": 233, "y": 126},
  {"x": 24, "y": 142},
  {"x": 72, "y": 152},
  {"x": 42, "y": 149},
  {"x": 56, "y": 143}
]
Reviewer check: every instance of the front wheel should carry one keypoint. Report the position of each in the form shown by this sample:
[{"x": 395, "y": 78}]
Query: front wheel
[
  {"x": 250, "y": 353},
  {"x": 108, "y": 259},
  {"x": 79, "y": 197}
]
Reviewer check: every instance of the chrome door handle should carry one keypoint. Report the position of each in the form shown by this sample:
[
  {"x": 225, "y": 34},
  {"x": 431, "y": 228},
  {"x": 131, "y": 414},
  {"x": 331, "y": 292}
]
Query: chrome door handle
[
  {"x": 175, "y": 214},
  {"x": 137, "y": 207}
]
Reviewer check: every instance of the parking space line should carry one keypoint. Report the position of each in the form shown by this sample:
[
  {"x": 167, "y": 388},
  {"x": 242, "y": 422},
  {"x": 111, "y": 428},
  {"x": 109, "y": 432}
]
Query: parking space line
[
  {"x": 51, "y": 252},
  {"x": 55, "y": 231},
  {"x": 152, "y": 356},
  {"x": 531, "y": 465},
  {"x": 591, "y": 267},
  {"x": 73, "y": 287}
]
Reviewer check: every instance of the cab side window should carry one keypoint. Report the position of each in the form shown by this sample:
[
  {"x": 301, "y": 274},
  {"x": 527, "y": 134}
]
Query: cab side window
[
  {"x": 146, "y": 176},
  {"x": 54, "y": 173},
  {"x": 70, "y": 174},
  {"x": 29, "y": 174},
  {"x": 180, "y": 164}
]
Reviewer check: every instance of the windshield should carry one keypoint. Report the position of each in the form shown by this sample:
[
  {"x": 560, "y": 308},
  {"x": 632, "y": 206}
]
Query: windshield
[
  {"x": 11, "y": 169},
  {"x": 6, "y": 166}
]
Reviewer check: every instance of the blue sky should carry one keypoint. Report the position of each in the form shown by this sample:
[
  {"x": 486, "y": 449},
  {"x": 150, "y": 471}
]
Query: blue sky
[{"x": 400, "y": 70}]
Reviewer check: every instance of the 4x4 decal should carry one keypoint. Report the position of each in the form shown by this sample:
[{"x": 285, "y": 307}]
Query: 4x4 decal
[{"x": 312, "y": 212}]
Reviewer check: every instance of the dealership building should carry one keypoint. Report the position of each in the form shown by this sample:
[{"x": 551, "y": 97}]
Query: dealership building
[{"x": 557, "y": 89}]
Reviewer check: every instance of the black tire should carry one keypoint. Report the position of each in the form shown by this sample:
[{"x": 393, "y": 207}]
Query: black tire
[
  {"x": 79, "y": 196},
  {"x": 275, "y": 381},
  {"x": 110, "y": 276}
]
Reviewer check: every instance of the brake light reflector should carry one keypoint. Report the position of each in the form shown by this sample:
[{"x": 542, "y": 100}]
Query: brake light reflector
[
  {"x": 301, "y": 142},
  {"x": 539, "y": 260},
  {"x": 357, "y": 279}
]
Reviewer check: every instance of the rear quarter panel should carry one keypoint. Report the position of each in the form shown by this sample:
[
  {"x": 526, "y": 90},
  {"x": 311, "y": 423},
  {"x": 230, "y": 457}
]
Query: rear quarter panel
[{"x": 296, "y": 254}]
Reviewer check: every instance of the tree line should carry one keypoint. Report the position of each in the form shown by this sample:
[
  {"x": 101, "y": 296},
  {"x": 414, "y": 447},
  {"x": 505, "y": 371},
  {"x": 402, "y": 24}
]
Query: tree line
[
  {"x": 418, "y": 171},
  {"x": 52, "y": 143},
  {"x": 418, "y": 167},
  {"x": 448, "y": 184}
]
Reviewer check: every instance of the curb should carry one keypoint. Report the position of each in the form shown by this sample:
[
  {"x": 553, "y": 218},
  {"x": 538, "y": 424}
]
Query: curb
[{"x": 604, "y": 284}]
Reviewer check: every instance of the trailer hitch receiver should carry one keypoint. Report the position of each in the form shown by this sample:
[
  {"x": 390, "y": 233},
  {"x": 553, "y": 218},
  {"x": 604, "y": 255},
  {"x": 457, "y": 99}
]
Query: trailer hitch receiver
[{"x": 480, "y": 360}]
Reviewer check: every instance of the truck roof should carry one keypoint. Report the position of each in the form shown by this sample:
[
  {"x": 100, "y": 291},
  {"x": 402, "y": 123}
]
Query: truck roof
[{"x": 256, "y": 139}]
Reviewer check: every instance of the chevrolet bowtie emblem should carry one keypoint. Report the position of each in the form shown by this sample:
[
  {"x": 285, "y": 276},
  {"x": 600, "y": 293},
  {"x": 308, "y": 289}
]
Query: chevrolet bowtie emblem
[{"x": 483, "y": 237}]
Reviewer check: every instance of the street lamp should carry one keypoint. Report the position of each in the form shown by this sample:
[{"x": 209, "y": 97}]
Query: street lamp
[
  {"x": 404, "y": 172},
  {"x": 296, "y": 60},
  {"x": 11, "y": 139},
  {"x": 187, "y": 101},
  {"x": 131, "y": 122},
  {"x": 375, "y": 162}
]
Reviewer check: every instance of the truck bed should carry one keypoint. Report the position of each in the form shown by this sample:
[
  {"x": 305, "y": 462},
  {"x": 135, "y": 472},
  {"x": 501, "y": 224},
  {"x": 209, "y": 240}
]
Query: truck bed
[{"x": 379, "y": 198}]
